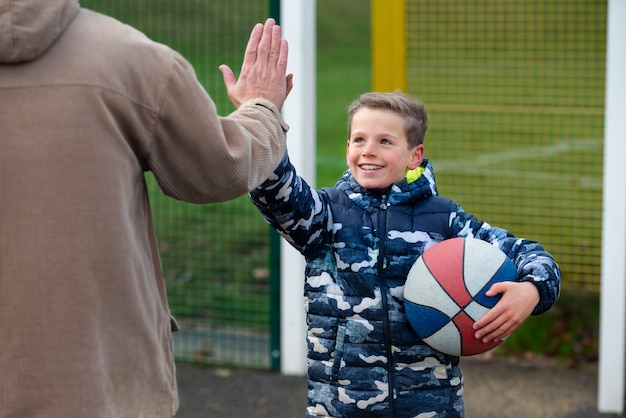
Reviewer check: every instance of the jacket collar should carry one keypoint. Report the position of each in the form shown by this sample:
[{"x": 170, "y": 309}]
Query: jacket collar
[{"x": 398, "y": 193}]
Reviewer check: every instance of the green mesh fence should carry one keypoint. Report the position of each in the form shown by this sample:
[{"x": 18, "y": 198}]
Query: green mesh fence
[
  {"x": 215, "y": 257},
  {"x": 515, "y": 92}
]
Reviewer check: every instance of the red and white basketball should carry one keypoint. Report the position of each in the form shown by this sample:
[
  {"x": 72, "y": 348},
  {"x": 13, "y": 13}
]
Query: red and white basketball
[{"x": 445, "y": 293}]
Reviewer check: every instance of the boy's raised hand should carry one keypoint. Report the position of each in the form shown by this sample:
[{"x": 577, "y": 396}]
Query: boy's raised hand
[{"x": 264, "y": 69}]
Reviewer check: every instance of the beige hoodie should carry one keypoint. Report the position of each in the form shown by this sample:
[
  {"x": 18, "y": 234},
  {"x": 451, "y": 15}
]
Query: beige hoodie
[{"x": 87, "y": 105}]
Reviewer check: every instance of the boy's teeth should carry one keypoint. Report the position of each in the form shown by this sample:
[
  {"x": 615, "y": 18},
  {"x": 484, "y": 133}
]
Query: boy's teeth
[{"x": 369, "y": 167}]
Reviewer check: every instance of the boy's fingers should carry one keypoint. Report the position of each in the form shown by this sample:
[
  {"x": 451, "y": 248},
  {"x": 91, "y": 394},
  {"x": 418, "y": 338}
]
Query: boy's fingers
[{"x": 289, "y": 81}]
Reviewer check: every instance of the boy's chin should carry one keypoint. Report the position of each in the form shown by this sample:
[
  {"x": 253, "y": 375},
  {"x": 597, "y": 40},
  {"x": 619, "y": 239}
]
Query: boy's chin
[{"x": 374, "y": 185}]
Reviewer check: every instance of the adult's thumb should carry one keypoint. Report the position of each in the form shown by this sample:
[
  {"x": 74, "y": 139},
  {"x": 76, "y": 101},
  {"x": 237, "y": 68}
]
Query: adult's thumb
[{"x": 228, "y": 75}]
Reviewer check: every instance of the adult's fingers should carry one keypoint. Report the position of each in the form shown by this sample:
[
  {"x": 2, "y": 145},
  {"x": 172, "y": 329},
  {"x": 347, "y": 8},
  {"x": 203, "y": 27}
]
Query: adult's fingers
[
  {"x": 275, "y": 47},
  {"x": 228, "y": 75},
  {"x": 264, "y": 47},
  {"x": 250, "y": 55},
  {"x": 283, "y": 53}
]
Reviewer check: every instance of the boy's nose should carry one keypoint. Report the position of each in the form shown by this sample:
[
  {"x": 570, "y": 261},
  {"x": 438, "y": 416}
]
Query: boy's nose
[{"x": 369, "y": 149}]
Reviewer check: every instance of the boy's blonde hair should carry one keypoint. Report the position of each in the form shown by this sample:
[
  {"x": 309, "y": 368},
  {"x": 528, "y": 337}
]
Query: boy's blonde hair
[{"x": 412, "y": 110}]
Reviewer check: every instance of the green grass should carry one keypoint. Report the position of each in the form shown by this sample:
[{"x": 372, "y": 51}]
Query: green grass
[
  {"x": 568, "y": 332},
  {"x": 343, "y": 73},
  {"x": 515, "y": 137}
]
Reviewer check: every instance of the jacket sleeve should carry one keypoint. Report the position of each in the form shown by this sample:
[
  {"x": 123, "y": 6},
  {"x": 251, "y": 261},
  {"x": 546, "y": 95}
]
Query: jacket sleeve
[
  {"x": 533, "y": 263},
  {"x": 297, "y": 211},
  {"x": 200, "y": 157}
]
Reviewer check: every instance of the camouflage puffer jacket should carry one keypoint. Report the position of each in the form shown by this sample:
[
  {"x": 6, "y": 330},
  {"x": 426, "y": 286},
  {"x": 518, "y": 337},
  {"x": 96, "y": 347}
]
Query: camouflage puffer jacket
[{"x": 364, "y": 359}]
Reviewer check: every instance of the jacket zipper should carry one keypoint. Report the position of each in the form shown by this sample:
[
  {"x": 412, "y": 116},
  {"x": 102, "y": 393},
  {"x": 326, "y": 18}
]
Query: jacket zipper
[{"x": 382, "y": 233}]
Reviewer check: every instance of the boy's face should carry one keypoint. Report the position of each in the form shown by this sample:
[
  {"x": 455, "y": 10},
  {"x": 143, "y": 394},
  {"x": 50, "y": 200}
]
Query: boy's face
[{"x": 377, "y": 152}]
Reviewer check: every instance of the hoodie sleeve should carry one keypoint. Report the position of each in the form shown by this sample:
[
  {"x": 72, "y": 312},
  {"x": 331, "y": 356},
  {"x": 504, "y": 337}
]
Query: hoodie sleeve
[
  {"x": 296, "y": 210},
  {"x": 533, "y": 263},
  {"x": 200, "y": 157}
]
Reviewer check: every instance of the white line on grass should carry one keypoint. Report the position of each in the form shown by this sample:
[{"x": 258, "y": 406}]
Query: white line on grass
[{"x": 481, "y": 164}]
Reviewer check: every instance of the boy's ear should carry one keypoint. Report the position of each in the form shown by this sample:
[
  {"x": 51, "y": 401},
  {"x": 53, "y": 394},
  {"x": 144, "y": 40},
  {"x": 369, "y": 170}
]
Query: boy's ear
[{"x": 417, "y": 157}]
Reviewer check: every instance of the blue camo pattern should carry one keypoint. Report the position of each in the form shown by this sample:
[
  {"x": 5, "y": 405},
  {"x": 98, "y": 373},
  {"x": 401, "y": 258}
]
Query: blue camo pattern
[{"x": 364, "y": 359}]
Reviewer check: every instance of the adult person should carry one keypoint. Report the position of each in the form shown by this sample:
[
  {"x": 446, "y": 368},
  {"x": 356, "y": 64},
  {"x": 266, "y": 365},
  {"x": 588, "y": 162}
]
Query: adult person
[{"x": 87, "y": 106}]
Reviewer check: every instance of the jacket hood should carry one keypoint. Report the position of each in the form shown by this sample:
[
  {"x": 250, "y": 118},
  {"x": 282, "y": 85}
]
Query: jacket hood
[
  {"x": 29, "y": 27},
  {"x": 399, "y": 193}
]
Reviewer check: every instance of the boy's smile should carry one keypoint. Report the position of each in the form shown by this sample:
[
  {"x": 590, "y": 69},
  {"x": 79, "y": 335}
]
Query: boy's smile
[{"x": 378, "y": 153}]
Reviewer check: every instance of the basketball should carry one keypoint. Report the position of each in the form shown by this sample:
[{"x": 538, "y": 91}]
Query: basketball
[{"x": 445, "y": 291}]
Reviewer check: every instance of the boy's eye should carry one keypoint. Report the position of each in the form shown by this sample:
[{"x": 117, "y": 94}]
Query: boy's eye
[
  {"x": 357, "y": 139},
  {"x": 385, "y": 141}
]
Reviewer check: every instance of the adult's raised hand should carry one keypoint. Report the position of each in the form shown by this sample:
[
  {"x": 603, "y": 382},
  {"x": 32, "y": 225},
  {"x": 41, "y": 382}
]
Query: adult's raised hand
[{"x": 264, "y": 69}]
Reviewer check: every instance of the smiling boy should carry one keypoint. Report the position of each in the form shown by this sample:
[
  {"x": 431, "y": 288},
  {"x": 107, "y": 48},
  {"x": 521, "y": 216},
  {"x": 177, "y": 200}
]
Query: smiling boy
[
  {"x": 359, "y": 239},
  {"x": 378, "y": 152}
]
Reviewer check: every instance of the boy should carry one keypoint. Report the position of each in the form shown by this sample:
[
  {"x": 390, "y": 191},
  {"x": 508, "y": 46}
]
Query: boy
[{"x": 360, "y": 239}]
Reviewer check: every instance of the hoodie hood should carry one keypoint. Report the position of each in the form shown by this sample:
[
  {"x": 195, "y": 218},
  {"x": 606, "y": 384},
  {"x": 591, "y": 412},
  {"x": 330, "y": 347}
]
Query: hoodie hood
[{"x": 29, "y": 27}]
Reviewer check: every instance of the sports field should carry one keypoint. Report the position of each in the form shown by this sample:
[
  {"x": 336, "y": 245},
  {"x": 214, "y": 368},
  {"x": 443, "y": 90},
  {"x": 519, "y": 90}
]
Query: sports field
[{"x": 516, "y": 94}]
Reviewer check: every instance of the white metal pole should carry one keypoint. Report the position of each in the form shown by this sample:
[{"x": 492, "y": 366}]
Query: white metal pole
[
  {"x": 298, "y": 24},
  {"x": 612, "y": 367}
]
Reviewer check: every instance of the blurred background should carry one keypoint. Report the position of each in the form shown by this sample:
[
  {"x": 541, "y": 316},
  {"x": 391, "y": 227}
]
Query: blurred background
[{"x": 515, "y": 93}]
